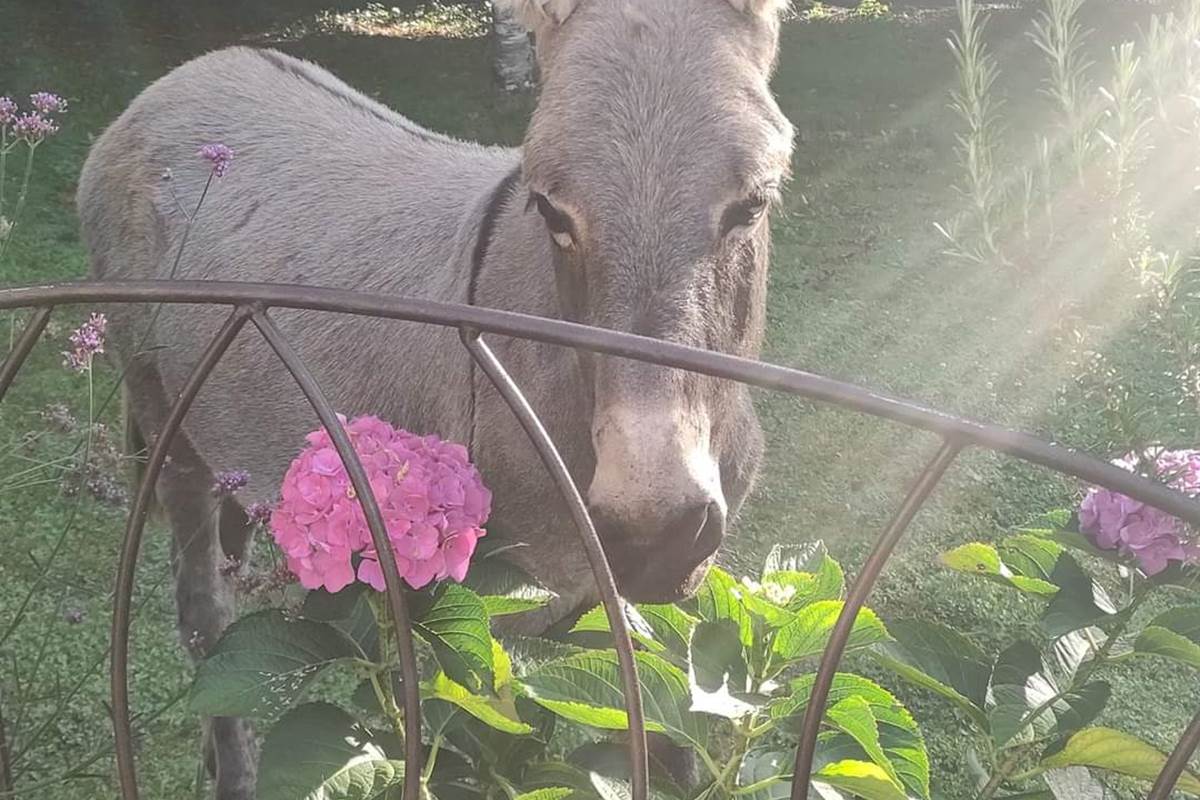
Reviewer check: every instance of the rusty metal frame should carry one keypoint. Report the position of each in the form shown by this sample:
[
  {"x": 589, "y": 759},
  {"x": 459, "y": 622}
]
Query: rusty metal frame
[{"x": 251, "y": 302}]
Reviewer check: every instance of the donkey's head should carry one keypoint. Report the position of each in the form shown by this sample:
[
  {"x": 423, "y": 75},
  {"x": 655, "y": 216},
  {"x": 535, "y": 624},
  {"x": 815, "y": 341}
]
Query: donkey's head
[{"x": 654, "y": 155}]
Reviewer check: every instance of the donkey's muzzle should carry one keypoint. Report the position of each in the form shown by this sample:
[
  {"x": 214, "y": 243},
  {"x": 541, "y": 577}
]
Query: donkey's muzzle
[{"x": 663, "y": 558}]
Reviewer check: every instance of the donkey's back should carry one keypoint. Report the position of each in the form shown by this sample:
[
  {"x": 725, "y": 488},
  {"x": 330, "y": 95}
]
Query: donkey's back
[{"x": 327, "y": 187}]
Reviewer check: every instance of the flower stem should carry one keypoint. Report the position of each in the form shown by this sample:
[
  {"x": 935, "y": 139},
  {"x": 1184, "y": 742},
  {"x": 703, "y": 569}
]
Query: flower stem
[
  {"x": 381, "y": 679},
  {"x": 21, "y": 196}
]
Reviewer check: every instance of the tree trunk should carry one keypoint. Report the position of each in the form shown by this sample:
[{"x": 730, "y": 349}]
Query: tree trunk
[{"x": 514, "y": 51}]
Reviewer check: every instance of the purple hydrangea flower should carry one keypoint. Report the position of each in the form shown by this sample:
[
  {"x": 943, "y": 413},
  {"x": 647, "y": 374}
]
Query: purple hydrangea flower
[
  {"x": 219, "y": 155},
  {"x": 33, "y": 127},
  {"x": 47, "y": 103},
  {"x": 226, "y": 483},
  {"x": 8, "y": 111},
  {"x": 1152, "y": 538},
  {"x": 86, "y": 341}
]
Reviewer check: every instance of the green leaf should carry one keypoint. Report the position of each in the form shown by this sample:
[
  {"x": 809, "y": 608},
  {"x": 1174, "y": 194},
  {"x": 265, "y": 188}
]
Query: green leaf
[
  {"x": 455, "y": 624},
  {"x": 586, "y": 688},
  {"x": 808, "y": 634},
  {"x": 349, "y": 611},
  {"x": 941, "y": 660},
  {"x": 549, "y": 793},
  {"x": 1174, "y": 634},
  {"x": 1114, "y": 751},
  {"x": 868, "y": 781},
  {"x": 853, "y": 716},
  {"x": 801, "y": 557},
  {"x": 717, "y": 671},
  {"x": 505, "y": 588},
  {"x": 899, "y": 734},
  {"x": 769, "y": 772},
  {"x": 719, "y": 598},
  {"x": 263, "y": 663},
  {"x": 1020, "y": 685},
  {"x": 640, "y": 629},
  {"x": 671, "y": 624},
  {"x": 1030, "y": 555},
  {"x": 1079, "y": 707},
  {"x": 319, "y": 752},
  {"x": 492, "y": 711},
  {"x": 1080, "y": 602},
  {"x": 984, "y": 561}
]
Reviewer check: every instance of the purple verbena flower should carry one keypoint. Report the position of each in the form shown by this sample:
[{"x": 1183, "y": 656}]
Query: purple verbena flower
[
  {"x": 8, "y": 111},
  {"x": 86, "y": 341},
  {"x": 33, "y": 127},
  {"x": 47, "y": 103},
  {"x": 258, "y": 513},
  {"x": 227, "y": 483},
  {"x": 219, "y": 155},
  {"x": 74, "y": 616}
]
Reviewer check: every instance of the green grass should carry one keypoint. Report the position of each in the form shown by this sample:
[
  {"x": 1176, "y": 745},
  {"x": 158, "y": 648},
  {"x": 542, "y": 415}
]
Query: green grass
[{"x": 860, "y": 291}]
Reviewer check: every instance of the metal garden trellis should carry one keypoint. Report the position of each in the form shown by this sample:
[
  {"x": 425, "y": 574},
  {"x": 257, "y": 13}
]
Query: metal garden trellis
[{"x": 250, "y": 302}]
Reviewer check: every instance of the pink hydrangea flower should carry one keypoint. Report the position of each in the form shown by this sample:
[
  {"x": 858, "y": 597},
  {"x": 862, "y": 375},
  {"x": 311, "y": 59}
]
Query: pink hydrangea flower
[
  {"x": 433, "y": 501},
  {"x": 1151, "y": 537}
]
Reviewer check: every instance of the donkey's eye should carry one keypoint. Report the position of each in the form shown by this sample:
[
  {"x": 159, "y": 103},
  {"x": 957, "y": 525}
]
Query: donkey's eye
[
  {"x": 558, "y": 223},
  {"x": 744, "y": 213}
]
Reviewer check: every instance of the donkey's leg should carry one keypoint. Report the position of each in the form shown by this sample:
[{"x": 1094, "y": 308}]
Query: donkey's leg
[{"x": 205, "y": 602}]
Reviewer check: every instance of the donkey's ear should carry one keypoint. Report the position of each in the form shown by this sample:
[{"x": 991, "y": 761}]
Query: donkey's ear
[
  {"x": 761, "y": 7},
  {"x": 536, "y": 14}
]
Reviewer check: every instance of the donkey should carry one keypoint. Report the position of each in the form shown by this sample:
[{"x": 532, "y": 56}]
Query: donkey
[{"x": 639, "y": 203}]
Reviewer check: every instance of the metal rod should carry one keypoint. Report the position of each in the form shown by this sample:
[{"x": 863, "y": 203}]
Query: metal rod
[
  {"x": 22, "y": 348},
  {"x": 123, "y": 591},
  {"x": 567, "y": 334},
  {"x": 383, "y": 546},
  {"x": 857, "y": 597},
  {"x": 614, "y": 604},
  {"x": 1177, "y": 762}
]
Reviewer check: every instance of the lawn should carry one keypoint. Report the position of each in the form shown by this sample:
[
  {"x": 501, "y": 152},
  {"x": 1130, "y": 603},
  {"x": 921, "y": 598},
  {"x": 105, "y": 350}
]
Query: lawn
[{"x": 861, "y": 290}]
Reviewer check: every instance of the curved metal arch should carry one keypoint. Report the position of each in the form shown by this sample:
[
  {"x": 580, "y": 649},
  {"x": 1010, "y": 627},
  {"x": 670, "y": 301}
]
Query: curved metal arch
[{"x": 251, "y": 301}]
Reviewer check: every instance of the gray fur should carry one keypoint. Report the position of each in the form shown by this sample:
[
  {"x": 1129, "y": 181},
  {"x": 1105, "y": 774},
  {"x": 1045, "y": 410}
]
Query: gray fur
[{"x": 655, "y": 116}]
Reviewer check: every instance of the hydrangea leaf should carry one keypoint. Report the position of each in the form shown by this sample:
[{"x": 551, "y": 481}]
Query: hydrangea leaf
[
  {"x": 586, "y": 688},
  {"x": 264, "y": 662},
  {"x": 899, "y": 734},
  {"x": 1080, "y": 602},
  {"x": 611, "y": 760},
  {"x": 941, "y": 660},
  {"x": 1114, "y": 751},
  {"x": 853, "y": 716},
  {"x": 349, "y": 611},
  {"x": 319, "y": 752},
  {"x": 717, "y": 671},
  {"x": 984, "y": 561},
  {"x": 549, "y": 793},
  {"x": 455, "y": 624},
  {"x": 719, "y": 598},
  {"x": 495, "y": 712},
  {"x": 801, "y": 557},
  {"x": 861, "y": 778},
  {"x": 1030, "y": 555},
  {"x": 1174, "y": 634},
  {"x": 808, "y": 634},
  {"x": 657, "y": 628},
  {"x": 506, "y": 589},
  {"x": 766, "y": 774},
  {"x": 1020, "y": 685}
]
